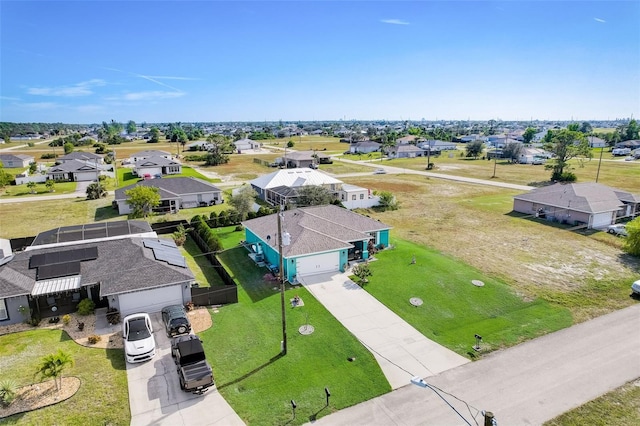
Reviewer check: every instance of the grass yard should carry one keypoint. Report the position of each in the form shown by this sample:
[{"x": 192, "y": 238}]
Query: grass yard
[
  {"x": 103, "y": 397},
  {"x": 620, "y": 407},
  {"x": 454, "y": 309},
  {"x": 586, "y": 273},
  {"x": 206, "y": 275},
  {"x": 243, "y": 347},
  {"x": 329, "y": 144},
  {"x": 40, "y": 189},
  {"x": 242, "y": 166},
  {"x": 339, "y": 167}
]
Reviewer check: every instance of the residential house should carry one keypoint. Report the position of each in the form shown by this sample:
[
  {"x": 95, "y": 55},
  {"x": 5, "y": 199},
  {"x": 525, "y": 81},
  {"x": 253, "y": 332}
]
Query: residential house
[
  {"x": 16, "y": 161},
  {"x": 74, "y": 171},
  {"x": 156, "y": 166},
  {"x": 533, "y": 156},
  {"x": 246, "y": 144},
  {"x": 121, "y": 265},
  {"x": 437, "y": 145},
  {"x": 281, "y": 188},
  {"x": 591, "y": 204},
  {"x": 315, "y": 240},
  {"x": 407, "y": 139},
  {"x": 405, "y": 151},
  {"x": 297, "y": 159},
  {"x": 364, "y": 147},
  {"x": 89, "y": 157},
  {"x": 199, "y": 146},
  {"x": 175, "y": 194},
  {"x": 595, "y": 142},
  {"x": 632, "y": 144},
  {"x": 141, "y": 155}
]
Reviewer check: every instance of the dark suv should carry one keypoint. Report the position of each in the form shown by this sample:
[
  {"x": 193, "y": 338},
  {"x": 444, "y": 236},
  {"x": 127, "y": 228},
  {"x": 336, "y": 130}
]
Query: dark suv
[{"x": 175, "y": 320}]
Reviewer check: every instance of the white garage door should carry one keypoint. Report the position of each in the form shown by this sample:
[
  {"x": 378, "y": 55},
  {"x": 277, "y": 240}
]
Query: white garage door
[
  {"x": 601, "y": 220},
  {"x": 317, "y": 264},
  {"x": 150, "y": 300}
]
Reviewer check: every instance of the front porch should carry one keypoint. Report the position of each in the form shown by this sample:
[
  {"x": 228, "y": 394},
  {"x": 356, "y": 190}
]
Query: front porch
[{"x": 64, "y": 302}]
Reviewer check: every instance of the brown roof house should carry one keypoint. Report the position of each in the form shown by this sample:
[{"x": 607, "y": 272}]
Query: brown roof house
[{"x": 591, "y": 204}]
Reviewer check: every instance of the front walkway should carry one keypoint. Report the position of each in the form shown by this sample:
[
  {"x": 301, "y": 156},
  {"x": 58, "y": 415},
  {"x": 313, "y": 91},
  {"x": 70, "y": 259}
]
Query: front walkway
[{"x": 401, "y": 351}]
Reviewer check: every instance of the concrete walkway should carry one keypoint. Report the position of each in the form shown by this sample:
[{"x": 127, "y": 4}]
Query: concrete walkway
[
  {"x": 401, "y": 351},
  {"x": 527, "y": 384}
]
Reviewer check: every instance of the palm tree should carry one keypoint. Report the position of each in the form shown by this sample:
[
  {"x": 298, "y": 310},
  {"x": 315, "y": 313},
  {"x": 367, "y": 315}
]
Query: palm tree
[
  {"x": 95, "y": 191},
  {"x": 52, "y": 366}
]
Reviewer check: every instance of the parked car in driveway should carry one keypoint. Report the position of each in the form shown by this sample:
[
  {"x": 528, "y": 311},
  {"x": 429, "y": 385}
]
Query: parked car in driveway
[
  {"x": 618, "y": 229},
  {"x": 137, "y": 332},
  {"x": 175, "y": 320},
  {"x": 194, "y": 371}
]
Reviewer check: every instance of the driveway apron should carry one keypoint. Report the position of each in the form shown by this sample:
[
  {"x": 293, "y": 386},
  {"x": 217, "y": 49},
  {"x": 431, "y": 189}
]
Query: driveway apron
[
  {"x": 155, "y": 397},
  {"x": 401, "y": 351}
]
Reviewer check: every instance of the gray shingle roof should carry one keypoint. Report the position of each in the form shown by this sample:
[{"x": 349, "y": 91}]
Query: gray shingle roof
[
  {"x": 584, "y": 197},
  {"x": 172, "y": 187},
  {"x": 156, "y": 161},
  {"x": 316, "y": 229},
  {"x": 79, "y": 155},
  {"x": 72, "y": 166},
  {"x": 122, "y": 266}
]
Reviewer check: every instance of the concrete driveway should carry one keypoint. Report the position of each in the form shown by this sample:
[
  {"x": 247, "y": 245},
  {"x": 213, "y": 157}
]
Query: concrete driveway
[
  {"x": 155, "y": 397},
  {"x": 401, "y": 351}
]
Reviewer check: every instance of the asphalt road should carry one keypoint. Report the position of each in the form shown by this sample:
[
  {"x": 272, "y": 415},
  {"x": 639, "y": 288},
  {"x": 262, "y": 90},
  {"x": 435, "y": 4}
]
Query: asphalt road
[{"x": 527, "y": 384}]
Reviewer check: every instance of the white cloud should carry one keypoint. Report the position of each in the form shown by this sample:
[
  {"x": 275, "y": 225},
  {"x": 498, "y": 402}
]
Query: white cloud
[
  {"x": 8, "y": 98},
  {"x": 394, "y": 21},
  {"x": 83, "y": 88},
  {"x": 147, "y": 96},
  {"x": 167, "y": 77},
  {"x": 599, "y": 20},
  {"x": 40, "y": 105}
]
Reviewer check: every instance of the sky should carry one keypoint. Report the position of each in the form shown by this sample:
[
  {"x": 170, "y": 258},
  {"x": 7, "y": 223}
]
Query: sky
[{"x": 193, "y": 61}]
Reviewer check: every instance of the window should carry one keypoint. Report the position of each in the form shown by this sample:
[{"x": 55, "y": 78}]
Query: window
[
  {"x": 4, "y": 315},
  {"x": 353, "y": 197},
  {"x": 362, "y": 196}
]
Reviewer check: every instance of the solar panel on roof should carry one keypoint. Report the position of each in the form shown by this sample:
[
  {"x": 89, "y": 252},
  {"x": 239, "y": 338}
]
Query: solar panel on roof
[
  {"x": 76, "y": 255},
  {"x": 46, "y": 272}
]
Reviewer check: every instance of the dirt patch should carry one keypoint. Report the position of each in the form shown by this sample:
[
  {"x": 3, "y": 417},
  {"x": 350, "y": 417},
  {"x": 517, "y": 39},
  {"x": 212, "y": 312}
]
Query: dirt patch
[{"x": 38, "y": 395}]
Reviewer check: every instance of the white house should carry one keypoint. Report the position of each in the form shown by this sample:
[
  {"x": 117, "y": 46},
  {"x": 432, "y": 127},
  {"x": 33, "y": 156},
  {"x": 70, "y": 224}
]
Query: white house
[
  {"x": 15, "y": 161},
  {"x": 246, "y": 144},
  {"x": 156, "y": 166},
  {"x": 141, "y": 155}
]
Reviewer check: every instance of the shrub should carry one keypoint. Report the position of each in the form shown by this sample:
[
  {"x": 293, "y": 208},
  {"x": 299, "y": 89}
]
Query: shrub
[
  {"x": 66, "y": 319},
  {"x": 34, "y": 321},
  {"x": 239, "y": 228},
  {"x": 93, "y": 339},
  {"x": 80, "y": 326},
  {"x": 113, "y": 316},
  {"x": 86, "y": 307},
  {"x": 8, "y": 390},
  {"x": 48, "y": 155},
  {"x": 189, "y": 306}
]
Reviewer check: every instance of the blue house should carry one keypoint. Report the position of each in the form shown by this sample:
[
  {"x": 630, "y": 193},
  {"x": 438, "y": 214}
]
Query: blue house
[{"x": 316, "y": 239}]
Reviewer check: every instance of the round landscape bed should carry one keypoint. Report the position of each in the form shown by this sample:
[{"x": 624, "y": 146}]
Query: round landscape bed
[{"x": 39, "y": 395}]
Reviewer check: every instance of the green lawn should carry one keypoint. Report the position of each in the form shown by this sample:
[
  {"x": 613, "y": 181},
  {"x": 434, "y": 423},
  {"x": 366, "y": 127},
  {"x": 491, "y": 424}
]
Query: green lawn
[
  {"x": 243, "y": 347},
  {"x": 454, "y": 309},
  {"x": 40, "y": 189},
  {"x": 620, "y": 407},
  {"x": 103, "y": 397}
]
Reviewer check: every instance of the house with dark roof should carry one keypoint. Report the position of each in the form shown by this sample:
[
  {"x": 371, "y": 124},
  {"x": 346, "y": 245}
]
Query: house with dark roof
[
  {"x": 81, "y": 156},
  {"x": 74, "y": 171},
  {"x": 315, "y": 240},
  {"x": 141, "y": 155},
  {"x": 15, "y": 161},
  {"x": 591, "y": 204},
  {"x": 405, "y": 151},
  {"x": 297, "y": 159},
  {"x": 121, "y": 265},
  {"x": 156, "y": 166},
  {"x": 175, "y": 194}
]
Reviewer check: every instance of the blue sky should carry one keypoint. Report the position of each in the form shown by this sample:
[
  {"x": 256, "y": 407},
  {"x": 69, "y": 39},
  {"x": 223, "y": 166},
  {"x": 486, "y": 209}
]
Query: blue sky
[{"x": 163, "y": 61}]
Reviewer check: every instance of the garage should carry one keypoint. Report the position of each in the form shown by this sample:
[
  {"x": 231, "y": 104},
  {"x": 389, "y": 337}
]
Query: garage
[
  {"x": 150, "y": 300},
  {"x": 601, "y": 220},
  {"x": 318, "y": 264}
]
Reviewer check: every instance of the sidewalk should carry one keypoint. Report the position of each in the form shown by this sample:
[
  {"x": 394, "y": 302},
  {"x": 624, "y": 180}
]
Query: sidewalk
[{"x": 401, "y": 351}]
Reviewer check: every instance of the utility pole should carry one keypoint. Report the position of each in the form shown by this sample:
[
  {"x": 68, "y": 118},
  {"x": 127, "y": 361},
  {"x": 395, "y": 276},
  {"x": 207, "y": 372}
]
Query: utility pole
[
  {"x": 599, "y": 161},
  {"x": 284, "y": 320}
]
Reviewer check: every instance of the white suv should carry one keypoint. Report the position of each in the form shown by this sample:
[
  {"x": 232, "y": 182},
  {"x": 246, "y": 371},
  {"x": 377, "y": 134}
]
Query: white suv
[
  {"x": 635, "y": 288},
  {"x": 137, "y": 332}
]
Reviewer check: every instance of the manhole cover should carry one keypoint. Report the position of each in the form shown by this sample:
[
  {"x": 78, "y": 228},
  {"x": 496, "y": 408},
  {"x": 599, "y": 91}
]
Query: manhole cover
[
  {"x": 306, "y": 329},
  {"x": 415, "y": 301},
  {"x": 477, "y": 283}
]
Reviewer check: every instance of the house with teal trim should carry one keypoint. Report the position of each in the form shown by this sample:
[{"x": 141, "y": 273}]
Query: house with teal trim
[{"x": 316, "y": 239}]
